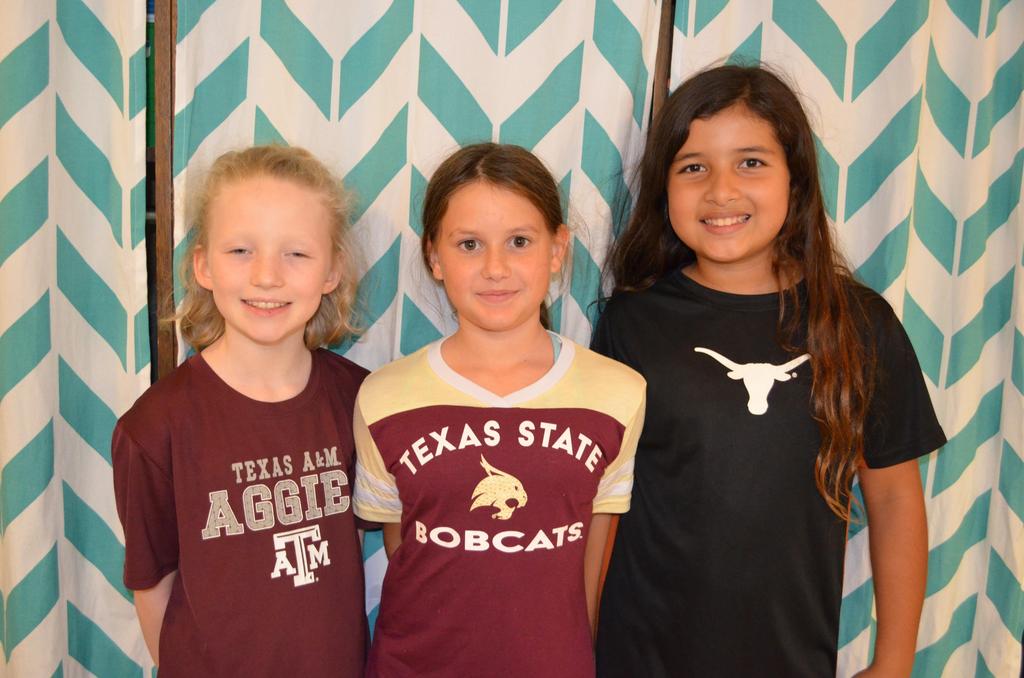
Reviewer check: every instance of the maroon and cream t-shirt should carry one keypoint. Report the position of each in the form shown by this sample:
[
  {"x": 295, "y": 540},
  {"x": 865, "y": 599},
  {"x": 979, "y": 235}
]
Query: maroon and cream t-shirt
[
  {"x": 494, "y": 496},
  {"x": 250, "y": 503}
]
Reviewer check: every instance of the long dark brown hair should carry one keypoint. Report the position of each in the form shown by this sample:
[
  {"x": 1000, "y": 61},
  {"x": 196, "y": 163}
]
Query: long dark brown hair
[
  {"x": 842, "y": 362},
  {"x": 504, "y": 165}
]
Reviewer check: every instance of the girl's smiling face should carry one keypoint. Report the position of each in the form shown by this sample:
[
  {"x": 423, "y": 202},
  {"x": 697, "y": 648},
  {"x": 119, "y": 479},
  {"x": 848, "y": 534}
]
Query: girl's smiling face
[
  {"x": 268, "y": 259},
  {"x": 728, "y": 196},
  {"x": 495, "y": 254}
]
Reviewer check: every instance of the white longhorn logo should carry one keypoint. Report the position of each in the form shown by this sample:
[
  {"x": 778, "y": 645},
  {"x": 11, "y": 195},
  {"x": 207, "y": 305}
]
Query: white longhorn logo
[{"x": 757, "y": 377}]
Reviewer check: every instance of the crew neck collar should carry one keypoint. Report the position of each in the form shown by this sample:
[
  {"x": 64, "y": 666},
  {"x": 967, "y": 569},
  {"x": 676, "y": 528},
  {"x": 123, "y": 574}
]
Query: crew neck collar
[
  {"x": 557, "y": 370},
  {"x": 261, "y": 407},
  {"x": 745, "y": 302}
]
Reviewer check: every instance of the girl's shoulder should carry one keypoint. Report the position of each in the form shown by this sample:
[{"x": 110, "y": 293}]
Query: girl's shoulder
[
  {"x": 889, "y": 348},
  {"x": 877, "y": 316},
  {"x": 399, "y": 368},
  {"x": 669, "y": 284},
  {"x": 181, "y": 384},
  {"x": 403, "y": 385},
  {"x": 603, "y": 369},
  {"x": 673, "y": 291},
  {"x": 409, "y": 374},
  {"x": 600, "y": 383},
  {"x": 162, "y": 407},
  {"x": 339, "y": 370}
]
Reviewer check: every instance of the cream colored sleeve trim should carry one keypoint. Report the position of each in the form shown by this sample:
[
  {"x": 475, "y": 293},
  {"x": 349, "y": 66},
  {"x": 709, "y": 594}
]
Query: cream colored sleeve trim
[
  {"x": 616, "y": 486},
  {"x": 375, "y": 495}
]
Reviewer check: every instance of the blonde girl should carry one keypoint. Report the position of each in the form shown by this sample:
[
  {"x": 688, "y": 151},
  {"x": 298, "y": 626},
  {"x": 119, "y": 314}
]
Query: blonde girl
[{"x": 232, "y": 474}]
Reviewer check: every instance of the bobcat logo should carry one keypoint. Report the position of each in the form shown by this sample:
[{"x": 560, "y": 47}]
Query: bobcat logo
[{"x": 497, "y": 490}]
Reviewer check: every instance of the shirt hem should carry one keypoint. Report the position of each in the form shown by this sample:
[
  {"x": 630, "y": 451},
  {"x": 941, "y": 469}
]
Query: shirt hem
[
  {"x": 909, "y": 451},
  {"x": 377, "y": 516}
]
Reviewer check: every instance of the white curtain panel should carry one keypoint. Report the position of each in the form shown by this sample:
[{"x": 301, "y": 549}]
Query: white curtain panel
[{"x": 74, "y": 343}]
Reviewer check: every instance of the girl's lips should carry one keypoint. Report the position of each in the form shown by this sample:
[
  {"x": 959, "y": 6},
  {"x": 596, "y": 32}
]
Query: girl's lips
[
  {"x": 724, "y": 221},
  {"x": 259, "y": 303},
  {"x": 265, "y": 307},
  {"x": 496, "y": 296}
]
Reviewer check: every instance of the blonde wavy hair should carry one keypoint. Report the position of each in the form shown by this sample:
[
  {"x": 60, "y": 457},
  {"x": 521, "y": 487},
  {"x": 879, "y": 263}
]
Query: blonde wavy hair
[{"x": 200, "y": 322}]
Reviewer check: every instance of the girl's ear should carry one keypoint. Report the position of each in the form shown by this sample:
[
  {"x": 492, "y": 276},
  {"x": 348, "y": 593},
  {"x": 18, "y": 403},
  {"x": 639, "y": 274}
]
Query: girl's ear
[
  {"x": 435, "y": 265},
  {"x": 201, "y": 268},
  {"x": 559, "y": 248},
  {"x": 333, "y": 277}
]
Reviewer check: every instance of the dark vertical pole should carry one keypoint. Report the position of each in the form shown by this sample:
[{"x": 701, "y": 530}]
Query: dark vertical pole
[
  {"x": 663, "y": 60},
  {"x": 165, "y": 29}
]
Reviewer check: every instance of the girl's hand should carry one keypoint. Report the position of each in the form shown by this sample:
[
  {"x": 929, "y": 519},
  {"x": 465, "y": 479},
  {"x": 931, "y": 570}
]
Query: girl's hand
[
  {"x": 593, "y": 560},
  {"x": 150, "y": 606},
  {"x": 392, "y": 537}
]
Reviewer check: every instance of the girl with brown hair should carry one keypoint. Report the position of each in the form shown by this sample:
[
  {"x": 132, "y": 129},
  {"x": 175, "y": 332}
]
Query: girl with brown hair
[
  {"x": 494, "y": 457},
  {"x": 773, "y": 379}
]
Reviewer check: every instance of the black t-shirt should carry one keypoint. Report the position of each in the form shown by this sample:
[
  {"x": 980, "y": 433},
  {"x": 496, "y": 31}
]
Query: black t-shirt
[{"x": 729, "y": 562}]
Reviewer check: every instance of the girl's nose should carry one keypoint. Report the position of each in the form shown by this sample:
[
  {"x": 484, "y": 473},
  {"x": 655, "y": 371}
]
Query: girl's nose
[
  {"x": 722, "y": 188},
  {"x": 266, "y": 271},
  {"x": 495, "y": 264}
]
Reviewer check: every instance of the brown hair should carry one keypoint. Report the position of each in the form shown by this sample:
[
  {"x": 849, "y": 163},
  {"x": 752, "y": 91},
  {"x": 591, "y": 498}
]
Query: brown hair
[
  {"x": 842, "y": 362},
  {"x": 504, "y": 165},
  {"x": 199, "y": 320}
]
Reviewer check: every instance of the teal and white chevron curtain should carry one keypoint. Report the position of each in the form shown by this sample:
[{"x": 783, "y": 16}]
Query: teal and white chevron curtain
[
  {"x": 74, "y": 343},
  {"x": 921, "y": 139},
  {"x": 921, "y": 133}
]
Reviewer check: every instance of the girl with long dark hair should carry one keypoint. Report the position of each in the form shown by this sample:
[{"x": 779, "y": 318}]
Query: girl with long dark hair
[{"x": 774, "y": 378}]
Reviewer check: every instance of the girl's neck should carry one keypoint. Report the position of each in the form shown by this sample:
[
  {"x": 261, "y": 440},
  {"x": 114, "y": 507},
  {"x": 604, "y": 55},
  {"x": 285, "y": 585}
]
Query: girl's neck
[
  {"x": 501, "y": 362},
  {"x": 264, "y": 373},
  {"x": 733, "y": 279}
]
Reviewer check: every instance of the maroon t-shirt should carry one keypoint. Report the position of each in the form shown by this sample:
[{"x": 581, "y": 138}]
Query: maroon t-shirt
[
  {"x": 495, "y": 496},
  {"x": 250, "y": 502}
]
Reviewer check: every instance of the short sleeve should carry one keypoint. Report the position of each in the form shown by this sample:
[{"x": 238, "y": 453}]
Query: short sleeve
[
  {"x": 616, "y": 485},
  {"x": 144, "y": 496},
  {"x": 901, "y": 423},
  {"x": 375, "y": 496}
]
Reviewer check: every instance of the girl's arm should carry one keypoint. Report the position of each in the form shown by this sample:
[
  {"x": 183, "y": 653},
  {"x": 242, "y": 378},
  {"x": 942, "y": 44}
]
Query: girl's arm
[
  {"x": 392, "y": 537},
  {"x": 593, "y": 558},
  {"x": 898, "y": 542},
  {"x": 150, "y": 605}
]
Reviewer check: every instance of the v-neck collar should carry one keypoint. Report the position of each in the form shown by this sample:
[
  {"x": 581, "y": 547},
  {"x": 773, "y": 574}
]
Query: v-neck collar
[{"x": 527, "y": 393}]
